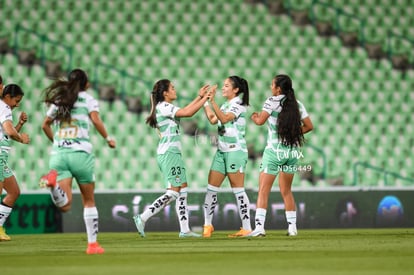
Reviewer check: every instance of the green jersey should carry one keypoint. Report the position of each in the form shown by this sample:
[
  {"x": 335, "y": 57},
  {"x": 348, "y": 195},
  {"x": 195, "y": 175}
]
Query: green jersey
[
  {"x": 169, "y": 128},
  {"x": 74, "y": 135},
  {"x": 231, "y": 135},
  {"x": 5, "y": 114},
  {"x": 273, "y": 107}
]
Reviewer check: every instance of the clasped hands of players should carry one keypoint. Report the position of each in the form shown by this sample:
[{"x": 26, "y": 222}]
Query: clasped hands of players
[{"x": 209, "y": 91}]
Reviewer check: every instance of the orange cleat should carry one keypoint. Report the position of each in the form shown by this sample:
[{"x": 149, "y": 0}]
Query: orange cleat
[
  {"x": 207, "y": 231},
  {"x": 48, "y": 180},
  {"x": 94, "y": 248},
  {"x": 241, "y": 233}
]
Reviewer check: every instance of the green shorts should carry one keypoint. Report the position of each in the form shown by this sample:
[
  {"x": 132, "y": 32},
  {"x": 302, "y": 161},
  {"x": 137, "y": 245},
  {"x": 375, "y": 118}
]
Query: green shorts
[
  {"x": 229, "y": 162},
  {"x": 5, "y": 171},
  {"x": 79, "y": 165},
  {"x": 172, "y": 168},
  {"x": 285, "y": 160}
]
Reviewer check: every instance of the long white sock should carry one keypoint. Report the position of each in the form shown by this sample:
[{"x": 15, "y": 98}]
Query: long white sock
[
  {"x": 90, "y": 216},
  {"x": 59, "y": 196},
  {"x": 260, "y": 218},
  {"x": 4, "y": 213},
  {"x": 210, "y": 203},
  {"x": 159, "y": 204},
  {"x": 291, "y": 220},
  {"x": 243, "y": 204},
  {"x": 181, "y": 208}
]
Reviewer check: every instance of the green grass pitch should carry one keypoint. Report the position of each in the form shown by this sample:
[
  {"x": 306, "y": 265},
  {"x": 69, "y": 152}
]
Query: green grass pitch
[{"x": 349, "y": 251}]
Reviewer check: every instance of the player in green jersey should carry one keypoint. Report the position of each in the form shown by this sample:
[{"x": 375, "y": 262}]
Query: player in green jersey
[
  {"x": 10, "y": 99},
  {"x": 231, "y": 157},
  {"x": 165, "y": 117},
  {"x": 287, "y": 122},
  {"x": 71, "y": 110}
]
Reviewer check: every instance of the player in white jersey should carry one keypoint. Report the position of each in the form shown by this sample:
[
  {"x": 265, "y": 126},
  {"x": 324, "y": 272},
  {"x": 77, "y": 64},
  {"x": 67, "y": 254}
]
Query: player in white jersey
[
  {"x": 165, "y": 117},
  {"x": 10, "y": 99},
  {"x": 231, "y": 157},
  {"x": 287, "y": 122},
  {"x": 71, "y": 111}
]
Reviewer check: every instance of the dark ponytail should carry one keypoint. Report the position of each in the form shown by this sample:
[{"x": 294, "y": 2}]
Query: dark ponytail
[
  {"x": 289, "y": 124},
  {"x": 157, "y": 96},
  {"x": 243, "y": 86},
  {"x": 13, "y": 90},
  {"x": 64, "y": 93}
]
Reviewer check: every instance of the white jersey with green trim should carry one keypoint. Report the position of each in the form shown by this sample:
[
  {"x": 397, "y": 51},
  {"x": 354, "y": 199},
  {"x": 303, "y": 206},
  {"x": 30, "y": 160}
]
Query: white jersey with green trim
[
  {"x": 74, "y": 135},
  {"x": 5, "y": 114},
  {"x": 273, "y": 107},
  {"x": 231, "y": 135},
  {"x": 169, "y": 128}
]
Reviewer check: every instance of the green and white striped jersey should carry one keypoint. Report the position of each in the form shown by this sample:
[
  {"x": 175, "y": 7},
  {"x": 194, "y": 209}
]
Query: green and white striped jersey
[
  {"x": 273, "y": 107},
  {"x": 5, "y": 114},
  {"x": 231, "y": 135},
  {"x": 74, "y": 135},
  {"x": 169, "y": 128}
]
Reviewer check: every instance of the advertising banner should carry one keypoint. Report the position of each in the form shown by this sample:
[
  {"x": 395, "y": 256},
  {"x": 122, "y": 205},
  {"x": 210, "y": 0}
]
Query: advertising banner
[
  {"x": 317, "y": 209},
  {"x": 34, "y": 213},
  {"x": 333, "y": 208}
]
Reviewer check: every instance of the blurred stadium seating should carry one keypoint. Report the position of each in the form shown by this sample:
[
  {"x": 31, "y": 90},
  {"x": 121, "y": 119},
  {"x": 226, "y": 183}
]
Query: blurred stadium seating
[{"x": 361, "y": 108}]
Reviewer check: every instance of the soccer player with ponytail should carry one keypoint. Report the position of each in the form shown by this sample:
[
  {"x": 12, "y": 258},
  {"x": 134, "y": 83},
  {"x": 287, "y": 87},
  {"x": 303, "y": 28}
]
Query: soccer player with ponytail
[
  {"x": 71, "y": 110},
  {"x": 164, "y": 117},
  {"x": 287, "y": 121},
  {"x": 231, "y": 157}
]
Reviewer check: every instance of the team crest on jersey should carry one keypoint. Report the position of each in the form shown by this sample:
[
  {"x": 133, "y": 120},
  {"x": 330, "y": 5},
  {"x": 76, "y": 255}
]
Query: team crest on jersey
[
  {"x": 177, "y": 179},
  {"x": 6, "y": 169}
]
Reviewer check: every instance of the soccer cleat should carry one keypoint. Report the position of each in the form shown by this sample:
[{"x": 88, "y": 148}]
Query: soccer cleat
[
  {"x": 3, "y": 235},
  {"x": 48, "y": 180},
  {"x": 241, "y": 233},
  {"x": 257, "y": 233},
  {"x": 292, "y": 233},
  {"x": 292, "y": 230},
  {"x": 189, "y": 234},
  {"x": 207, "y": 231},
  {"x": 94, "y": 248},
  {"x": 140, "y": 225}
]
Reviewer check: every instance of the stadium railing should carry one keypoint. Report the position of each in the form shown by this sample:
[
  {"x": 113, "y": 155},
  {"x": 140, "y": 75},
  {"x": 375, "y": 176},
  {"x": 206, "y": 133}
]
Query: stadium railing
[
  {"x": 46, "y": 48},
  {"x": 385, "y": 173},
  {"x": 397, "y": 48}
]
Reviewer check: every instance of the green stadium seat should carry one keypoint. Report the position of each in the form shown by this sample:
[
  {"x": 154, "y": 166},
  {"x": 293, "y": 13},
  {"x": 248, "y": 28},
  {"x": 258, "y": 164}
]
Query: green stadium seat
[{"x": 333, "y": 82}]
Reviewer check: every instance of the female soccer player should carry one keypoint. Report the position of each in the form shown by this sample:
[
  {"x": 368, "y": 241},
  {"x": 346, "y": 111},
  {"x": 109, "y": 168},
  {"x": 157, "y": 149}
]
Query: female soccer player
[
  {"x": 287, "y": 122},
  {"x": 72, "y": 109},
  {"x": 165, "y": 117},
  {"x": 231, "y": 157},
  {"x": 10, "y": 99}
]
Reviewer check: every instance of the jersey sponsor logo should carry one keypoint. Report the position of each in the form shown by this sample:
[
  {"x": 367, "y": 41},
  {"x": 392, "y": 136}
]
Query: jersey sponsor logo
[
  {"x": 267, "y": 106},
  {"x": 67, "y": 143},
  {"x": 234, "y": 109}
]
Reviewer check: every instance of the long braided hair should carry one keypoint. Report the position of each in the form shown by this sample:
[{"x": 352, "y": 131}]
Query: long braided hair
[
  {"x": 289, "y": 122},
  {"x": 64, "y": 93},
  {"x": 157, "y": 96}
]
